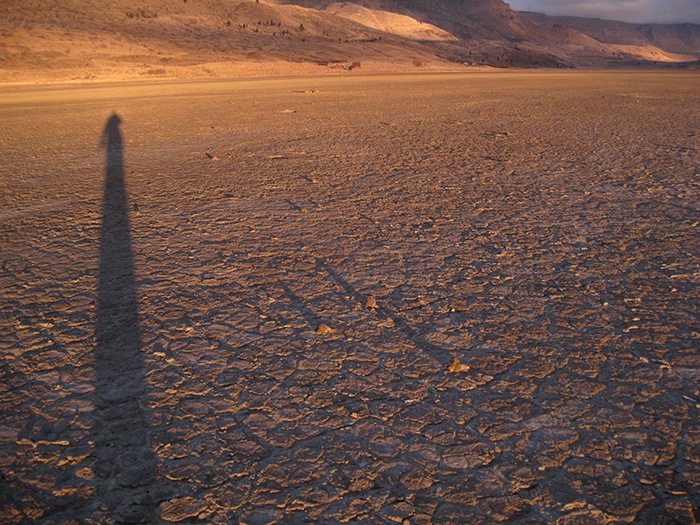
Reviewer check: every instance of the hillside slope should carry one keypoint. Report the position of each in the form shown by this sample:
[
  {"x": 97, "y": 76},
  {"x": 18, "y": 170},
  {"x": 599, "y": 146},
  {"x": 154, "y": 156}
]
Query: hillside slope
[
  {"x": 491, "y": 32},
  {"x": 389, "y": 22},
  {"x": 673, "y": 38},
  {"x": 50, "y": 40},
  {"x": 125, "y": 38}
]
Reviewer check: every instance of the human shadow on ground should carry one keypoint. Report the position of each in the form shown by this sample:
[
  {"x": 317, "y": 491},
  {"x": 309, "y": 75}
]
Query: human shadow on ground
[{"x": 124, "y": 462}]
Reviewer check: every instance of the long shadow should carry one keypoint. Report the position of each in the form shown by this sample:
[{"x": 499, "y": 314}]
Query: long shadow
[
  {"x": 124, "y": 462},
  {"x": 382, "y": 313}
]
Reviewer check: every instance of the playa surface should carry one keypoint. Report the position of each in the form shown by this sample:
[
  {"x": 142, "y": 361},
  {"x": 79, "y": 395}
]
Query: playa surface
[{"x": 185, "y": 270}]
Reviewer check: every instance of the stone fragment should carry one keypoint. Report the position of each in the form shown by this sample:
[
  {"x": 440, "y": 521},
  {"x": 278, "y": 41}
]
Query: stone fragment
[
  {"x": 323, "y": 329},
  {"x": 455, "y": 366}
]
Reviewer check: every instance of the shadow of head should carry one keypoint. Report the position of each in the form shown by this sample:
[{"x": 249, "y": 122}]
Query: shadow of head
[{"x": 111, "y": 135}]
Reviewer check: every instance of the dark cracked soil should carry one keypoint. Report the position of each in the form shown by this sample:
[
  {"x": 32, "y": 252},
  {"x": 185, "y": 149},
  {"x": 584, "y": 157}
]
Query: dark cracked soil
[{"x": 169, "y": 252}]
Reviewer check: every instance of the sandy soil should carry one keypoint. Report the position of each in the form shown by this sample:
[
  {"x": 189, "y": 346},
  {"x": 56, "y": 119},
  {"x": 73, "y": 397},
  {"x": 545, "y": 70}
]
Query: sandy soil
[{"x": 170, "y": 251}]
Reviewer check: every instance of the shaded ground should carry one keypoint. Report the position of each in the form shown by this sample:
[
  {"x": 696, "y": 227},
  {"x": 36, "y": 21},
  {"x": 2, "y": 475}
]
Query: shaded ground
[{"x": 542, "y": 228}]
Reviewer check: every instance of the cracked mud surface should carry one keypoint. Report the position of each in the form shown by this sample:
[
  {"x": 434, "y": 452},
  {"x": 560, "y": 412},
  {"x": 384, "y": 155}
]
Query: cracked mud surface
[{"x": 169, "y": 252}]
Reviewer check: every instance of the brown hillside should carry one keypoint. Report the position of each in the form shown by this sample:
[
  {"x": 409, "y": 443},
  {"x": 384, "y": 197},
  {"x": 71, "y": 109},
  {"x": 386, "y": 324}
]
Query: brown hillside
[
  {"x": 79, "y": 39},
  {"x": 50, "y": 40},
  {"x": 491, "y": 32},
  {"x": 673, "y": 38}
]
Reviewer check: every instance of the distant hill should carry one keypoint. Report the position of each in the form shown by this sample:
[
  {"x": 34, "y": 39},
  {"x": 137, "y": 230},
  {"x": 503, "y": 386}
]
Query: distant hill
[
  {"x": 45, "y": 40},
  {"x": 674, "y": 38},
  {"x": 491, "y": 32}
]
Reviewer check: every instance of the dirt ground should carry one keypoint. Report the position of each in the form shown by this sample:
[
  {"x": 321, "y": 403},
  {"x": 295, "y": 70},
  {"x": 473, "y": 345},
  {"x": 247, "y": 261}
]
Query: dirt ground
[{"x": 185, "y": 270}]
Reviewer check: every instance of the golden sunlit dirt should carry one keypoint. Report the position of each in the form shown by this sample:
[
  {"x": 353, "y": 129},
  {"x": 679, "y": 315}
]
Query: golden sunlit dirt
[{"x": 440, "y": 298}]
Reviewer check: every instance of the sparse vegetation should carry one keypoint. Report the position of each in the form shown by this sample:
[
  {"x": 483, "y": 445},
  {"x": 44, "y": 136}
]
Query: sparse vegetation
[{"x": 141, "y": 13}]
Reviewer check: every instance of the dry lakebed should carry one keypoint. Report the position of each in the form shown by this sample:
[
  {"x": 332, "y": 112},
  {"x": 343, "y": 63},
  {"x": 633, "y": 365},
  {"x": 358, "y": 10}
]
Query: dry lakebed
[{"x": 418, "y": 298}]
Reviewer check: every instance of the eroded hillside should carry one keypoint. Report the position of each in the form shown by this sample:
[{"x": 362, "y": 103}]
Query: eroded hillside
[{"x": 48, "y": 40}]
